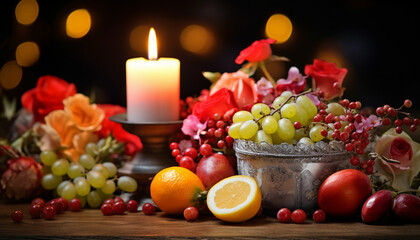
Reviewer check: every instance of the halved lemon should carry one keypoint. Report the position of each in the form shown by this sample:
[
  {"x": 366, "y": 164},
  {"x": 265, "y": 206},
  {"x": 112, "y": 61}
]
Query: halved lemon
[{"x": 235, "y": 199}]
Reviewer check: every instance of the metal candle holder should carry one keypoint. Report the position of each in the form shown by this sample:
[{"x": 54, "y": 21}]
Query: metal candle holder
[{"x": 154, "y": 156}]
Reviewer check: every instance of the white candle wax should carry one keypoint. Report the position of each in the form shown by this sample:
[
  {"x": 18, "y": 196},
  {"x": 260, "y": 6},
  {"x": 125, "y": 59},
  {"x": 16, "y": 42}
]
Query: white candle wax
[{"x": 153, "y": 90}]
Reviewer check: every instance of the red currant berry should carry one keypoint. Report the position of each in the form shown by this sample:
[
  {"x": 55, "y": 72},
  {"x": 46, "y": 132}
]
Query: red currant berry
[
  {"x": 148, "y": 209},
  {"x": 297, "y": 125},
  {"x": 364, "y": 164},
  {"x": 380, "y": 111},
  {"x": 386, "y": 121},
  {"x": 188, "y": 163},
  {"x": 355, "y": 161},
  {"x": 344, "y": 136},
  {"x": 284, "y": 215},
  {"x": 317, "y": 118},
  {"x": 210, "y": 132},
  {"x": 322, "y": 112},
  {"x": 370, "y": 162},
  {"x": 217, "y": 116},
  {"x": 349, "y": 147},
  {"x": 17, "y": 216},
  {"x": 75, "y": 205},
  {"x": 324, "y": 133},
  {"x": 54, "y": 202},
  {"x": 178, "y": 158},
  {"x": 319, "y": 216},
  {"x": 398, "y": 129},
  {"x": 175, "y": 152},
  {"x": 219, "y": 132},
  {"x": 358, "y": 117},
  {"x": 118, "y": 199},
  {"x": 298, "y": 216},
  {"x": 191, "y": 213},
  {"x": 221, "y": 144},
  {"x": 132, "y": 206},
  {"x": 408, "y": 103},
  {"x": 391, "y": 111},
  {"x": 397, "y": 122},
  {"x": 35, "y": 210},
  {"x": 118, "y": 207},
  {"x": 48, "y": 212},
  {"x": 337, "y": 125},
  {"x": 345, "y": 102},
  {"x": 39, "y": 201},
  {"x": 211, "y": 123},
  {"x": 413, "y": 128},
  {"x": 220, "y": 124},
  {"x": 329, "y": 118},
  {"x": 174, "y": 145},
  {"x": 109, "y": 201},
  {"x": 206, "y": 149},
  {"x": 369, "y": 170},
  {"x": 407, "y": 121},
  {"x": 192, "y": 152},
  {"x": 352, "y": 105},
  {"x": 106, "y": 209},
  {"x": 358, "y": 105},
  {"x": 63, "y": 202},
  {"x": 229, "y": 139},
  {"x": 416, "y": 121}
]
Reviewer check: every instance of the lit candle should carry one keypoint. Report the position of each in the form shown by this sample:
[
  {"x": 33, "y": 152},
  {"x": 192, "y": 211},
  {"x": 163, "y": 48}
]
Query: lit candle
[{"x": 152, "y": 87}]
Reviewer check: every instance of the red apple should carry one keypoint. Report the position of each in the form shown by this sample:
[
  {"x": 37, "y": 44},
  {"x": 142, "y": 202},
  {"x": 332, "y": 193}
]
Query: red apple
[
  {"x": 213, "y": 168},
  {"x": 377, "y": 206},
  {"x": 343, "y": 193},
  {"x": 407, "y": 207}
]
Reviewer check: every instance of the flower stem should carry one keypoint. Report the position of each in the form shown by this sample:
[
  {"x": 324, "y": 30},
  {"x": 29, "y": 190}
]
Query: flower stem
[{"x": 267, "y": 74}]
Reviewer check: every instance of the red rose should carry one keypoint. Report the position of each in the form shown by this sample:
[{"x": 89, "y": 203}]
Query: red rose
[
  {"x": 219, "y": 102},
  {"x": 132, "y": 142},
  {"x": 47, "y": 96},
  {"x": 324, "y": 76},
  {"x": 258, "y": 51}
]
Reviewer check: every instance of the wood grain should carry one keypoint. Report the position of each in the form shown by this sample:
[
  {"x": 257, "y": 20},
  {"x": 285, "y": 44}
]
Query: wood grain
[{"x": 90, "y": 223}]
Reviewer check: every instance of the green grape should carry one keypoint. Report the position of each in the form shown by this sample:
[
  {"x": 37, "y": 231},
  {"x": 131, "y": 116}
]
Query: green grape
[
  {"x": 61, "y": 186},
  {"x": 96, "y": 179},
  {"x": 286, "y": 94},
  {"x": 234, "y": 130},
  {"x": 285, "y": 130},
  {"x": 301, "y": 115},
  {"x": 50, "y": 181},
  {"x": 276, "y": 138},
  {"x": 69, "y": 192},
  {"x": 77, "y": 179},
  {"x": 75, "y": 170},
  {"x": 306, "y": 140},
  {"x": 262, "y": 136},
  {"x": 48, "y": 157},
  {"x": 242, "y": 116},
  {"x": 82, "y": 187},
  {"x": 335, "y": 108},
  {"x": 112, "y": 169},
  {"x": 82, "y": 200},
  {"x": 92, "y": 149},
  {"x": 101, "y": 142},
  {"x": 99, "y": 167},
  {"x": 315, "y": 133},
  {"x": 248, "y": 129},
  {"x": 278, "y": 101},
  {"x": 299, "y": 133},
  {"x": 276, "y": 115},
  {"x": 308, "y": 105},
  {"x": 269, "y": 124},
  {"x": 288, "y": 110},
  {"x": 60, "y": 167},
  {"x": 109, "y": 187},
  {"x": 94, "y": 199},
  {"x": 127, "y": 184},
  {"x": 259, "y": 110},
  {"x": 87, "y": 161},
  {"x": 103, "y": 195}
]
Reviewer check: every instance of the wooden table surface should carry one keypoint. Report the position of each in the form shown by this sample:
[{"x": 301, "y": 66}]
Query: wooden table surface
[{"x": 90, "y": 223}]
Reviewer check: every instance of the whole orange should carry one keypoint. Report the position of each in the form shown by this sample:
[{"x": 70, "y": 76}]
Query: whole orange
[
  {"x": 343, "y": 193},
  {"x": 175, "y": 188}
]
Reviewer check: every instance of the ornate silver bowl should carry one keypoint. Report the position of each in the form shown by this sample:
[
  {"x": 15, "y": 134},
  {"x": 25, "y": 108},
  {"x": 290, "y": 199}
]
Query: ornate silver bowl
[{"x": 290, "y": 175}]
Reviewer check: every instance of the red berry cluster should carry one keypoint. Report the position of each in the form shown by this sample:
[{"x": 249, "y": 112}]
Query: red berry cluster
[
  {"x": 41, "y": 209},
  {"x": 214, "y": 137},
  {"x": 388, "y": 112},
  {"x": 284, "y": 215},
  {"x": 187, "y": 105}
]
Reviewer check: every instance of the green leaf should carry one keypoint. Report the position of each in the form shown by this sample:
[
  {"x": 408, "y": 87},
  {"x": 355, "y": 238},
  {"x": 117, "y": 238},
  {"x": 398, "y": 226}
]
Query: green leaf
[
  {"x": 249, "y": 70},
  {"x": 278, "y": 58},
  {"x": 9, "y": 107},
  {"x": 212, "y": 76}
]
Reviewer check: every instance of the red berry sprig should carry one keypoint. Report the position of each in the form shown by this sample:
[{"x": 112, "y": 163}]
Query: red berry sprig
[{"x": 388, "y": 112}]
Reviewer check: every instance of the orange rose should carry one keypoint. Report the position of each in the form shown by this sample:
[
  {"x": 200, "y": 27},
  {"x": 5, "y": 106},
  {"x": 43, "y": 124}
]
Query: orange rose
[
  {"x": 86, "y": 116},
  {"x": 61, "y": 122},
  {"x": 242, "y": 87}
]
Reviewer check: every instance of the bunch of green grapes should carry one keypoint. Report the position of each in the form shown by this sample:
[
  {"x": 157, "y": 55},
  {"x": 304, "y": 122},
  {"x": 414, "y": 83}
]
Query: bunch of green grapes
[
  {"x": 289, "y": 119},
  {"x": 89, "y": 179}
]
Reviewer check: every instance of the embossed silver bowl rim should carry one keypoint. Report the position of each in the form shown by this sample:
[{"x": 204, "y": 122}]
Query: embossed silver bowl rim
[{"x": 287, "y": 150}]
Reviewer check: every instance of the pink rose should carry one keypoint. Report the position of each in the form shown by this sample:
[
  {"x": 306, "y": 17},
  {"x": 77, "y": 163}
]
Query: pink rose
[
  {"x": 242, "y": 87},
  {"x": 295, "y": 82},
  {"x": 327, "y": 78},
  {"x": 395, "y": 148},
  {"x": 258, "y": 51}
]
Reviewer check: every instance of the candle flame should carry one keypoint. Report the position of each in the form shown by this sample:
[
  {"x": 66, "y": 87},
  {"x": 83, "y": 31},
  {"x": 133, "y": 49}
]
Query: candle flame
[{"x": 152, "y": 45}]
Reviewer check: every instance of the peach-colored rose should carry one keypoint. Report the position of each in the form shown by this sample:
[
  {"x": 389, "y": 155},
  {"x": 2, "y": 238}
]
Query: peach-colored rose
[
  {"x": 402, "y": 148},
  {"x": 86, "y": 116},
  {"x": 81, "y": 139},
  {"x": 48, "y": 137},
  {"x": 242, "y": 86},
  {"x": 62, "y": 123}
]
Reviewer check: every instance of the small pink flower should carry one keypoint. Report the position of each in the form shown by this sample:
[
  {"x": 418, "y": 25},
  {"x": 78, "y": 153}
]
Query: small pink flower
[
  {"x": 362, "y": 126},
  {"x": 192, "y": 126},
  {"x": 295, "y": 82},
  {"x": 265, "y": 91},
  {"x": 373, "y": 121}
]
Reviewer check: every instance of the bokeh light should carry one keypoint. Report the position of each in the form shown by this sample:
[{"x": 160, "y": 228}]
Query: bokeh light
[
  {"x": 78, "y": 23},
  {"x": 138, "y": 38},
  {"x": 26, "y": 11},
  {"x": 10, "y": 75},
  {"x": 197, "y": 39},
  {"x": 328, "y": 51},
  {"x": 279, "y": 27},
  {"x": 27, "y": 54}
]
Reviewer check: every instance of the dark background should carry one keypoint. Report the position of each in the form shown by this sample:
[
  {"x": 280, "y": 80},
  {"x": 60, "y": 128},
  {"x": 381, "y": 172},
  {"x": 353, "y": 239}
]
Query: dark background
[{"x": 379, "y": 42}]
